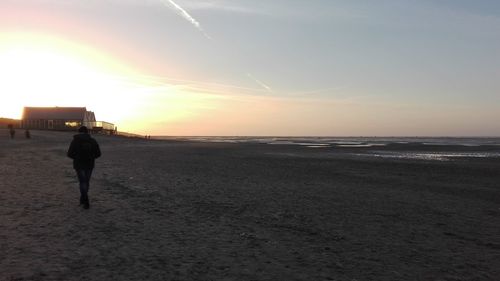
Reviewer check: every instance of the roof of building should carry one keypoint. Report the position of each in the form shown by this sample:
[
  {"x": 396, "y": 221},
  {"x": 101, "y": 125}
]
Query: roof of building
[{"x": 67, "y": 113}]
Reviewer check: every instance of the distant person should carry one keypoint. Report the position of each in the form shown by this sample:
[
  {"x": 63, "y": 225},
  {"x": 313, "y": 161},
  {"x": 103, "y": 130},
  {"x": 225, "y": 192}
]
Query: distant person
[
  {"x": 12, "y": 132},
  {"x": 27, "y": 134},
  {"x": 84, "y": 150}
]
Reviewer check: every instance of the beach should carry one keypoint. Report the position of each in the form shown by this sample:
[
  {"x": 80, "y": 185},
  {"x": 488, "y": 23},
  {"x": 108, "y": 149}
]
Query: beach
[{"x": 185, "y": 210}]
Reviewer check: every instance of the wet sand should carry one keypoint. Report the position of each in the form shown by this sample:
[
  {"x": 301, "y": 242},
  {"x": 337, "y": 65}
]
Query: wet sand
[{"x": 172, "y": 210}]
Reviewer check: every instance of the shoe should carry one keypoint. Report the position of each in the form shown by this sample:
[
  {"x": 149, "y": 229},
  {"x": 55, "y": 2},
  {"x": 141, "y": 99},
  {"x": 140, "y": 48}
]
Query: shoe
[{"x": 84, "y": 200}]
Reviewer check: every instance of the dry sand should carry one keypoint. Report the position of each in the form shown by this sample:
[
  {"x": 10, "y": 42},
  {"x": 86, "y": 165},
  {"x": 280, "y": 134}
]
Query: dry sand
[{"x": 164, "y": 210}]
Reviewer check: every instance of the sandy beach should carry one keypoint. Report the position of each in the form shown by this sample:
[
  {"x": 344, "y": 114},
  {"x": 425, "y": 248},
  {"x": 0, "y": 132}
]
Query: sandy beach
[{"x": 178, "y": 210}]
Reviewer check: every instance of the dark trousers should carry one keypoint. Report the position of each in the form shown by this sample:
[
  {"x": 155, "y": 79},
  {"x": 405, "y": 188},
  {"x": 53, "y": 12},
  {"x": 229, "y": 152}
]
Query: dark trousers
[{"x": 84, "y": 179}]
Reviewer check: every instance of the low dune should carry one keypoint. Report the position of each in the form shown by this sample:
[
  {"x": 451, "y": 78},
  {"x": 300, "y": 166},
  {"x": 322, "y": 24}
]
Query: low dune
[{"x": 178, "y": 210}]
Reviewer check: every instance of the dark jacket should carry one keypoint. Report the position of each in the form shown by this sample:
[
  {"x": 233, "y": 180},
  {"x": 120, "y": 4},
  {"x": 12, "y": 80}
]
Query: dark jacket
[{"x": 75, "y": 151}]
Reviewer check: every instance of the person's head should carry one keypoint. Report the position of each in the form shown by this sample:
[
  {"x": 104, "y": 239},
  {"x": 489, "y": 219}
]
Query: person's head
[{"x": 83, "y": 130}]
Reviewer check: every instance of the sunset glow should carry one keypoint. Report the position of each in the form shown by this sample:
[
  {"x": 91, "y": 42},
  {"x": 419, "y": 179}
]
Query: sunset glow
[
  {"x": 45, "y": 71},
  {"x": 39, "y": 70}
]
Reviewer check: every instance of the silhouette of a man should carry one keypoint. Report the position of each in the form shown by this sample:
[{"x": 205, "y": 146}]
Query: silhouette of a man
[
  {"x": 84, "y": 150},
  {"x": 12, "y": 132}
]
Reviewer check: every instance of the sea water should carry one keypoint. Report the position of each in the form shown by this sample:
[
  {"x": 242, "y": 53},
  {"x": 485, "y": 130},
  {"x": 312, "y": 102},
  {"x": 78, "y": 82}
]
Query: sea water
[
  {"x": 475, "y": 147},
  {"x": 349, "y": 141}
]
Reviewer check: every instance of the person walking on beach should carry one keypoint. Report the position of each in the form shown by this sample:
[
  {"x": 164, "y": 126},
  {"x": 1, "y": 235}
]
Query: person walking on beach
[
  {"x": 12, "y": 132},
  {"x": 84, "y": 150}
]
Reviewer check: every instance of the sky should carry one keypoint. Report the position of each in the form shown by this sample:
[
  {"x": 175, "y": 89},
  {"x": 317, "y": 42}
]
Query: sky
[{"x": 258, "y": 67}]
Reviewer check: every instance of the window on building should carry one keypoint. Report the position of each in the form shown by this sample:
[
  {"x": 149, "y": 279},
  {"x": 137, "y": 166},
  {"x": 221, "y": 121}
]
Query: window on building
[{"x": 72, "y": 124}]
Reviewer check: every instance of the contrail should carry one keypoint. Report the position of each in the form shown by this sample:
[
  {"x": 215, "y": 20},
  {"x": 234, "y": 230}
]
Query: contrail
[
  {"x": 158, "y": 82},
  {"x": 183, "y": 13},
  {"x": 166, "y": 80},
  {"x": 260, "y": 83}
]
